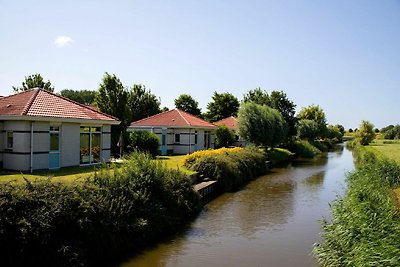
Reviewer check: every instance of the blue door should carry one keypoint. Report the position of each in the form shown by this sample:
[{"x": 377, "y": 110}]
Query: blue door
[
  {"x": 54, "y": 153},
  {"x": 164, "y": 142}
]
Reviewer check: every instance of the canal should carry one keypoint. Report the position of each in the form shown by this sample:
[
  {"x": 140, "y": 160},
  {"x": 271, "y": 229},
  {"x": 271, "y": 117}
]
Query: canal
[{"x": 273, "y": 221}]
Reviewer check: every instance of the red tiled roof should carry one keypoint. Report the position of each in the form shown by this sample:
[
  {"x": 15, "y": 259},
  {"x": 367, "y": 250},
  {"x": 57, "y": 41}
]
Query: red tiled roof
[
  {"x": 41, "y": 103},
  {"x": 230, "y": 122},
  {"x": 173, "y": 118}
]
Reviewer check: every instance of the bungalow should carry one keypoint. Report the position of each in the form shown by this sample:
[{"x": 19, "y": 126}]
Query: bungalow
[
  {"x": 42, "y": 130},
  {"x": 179, "y": 132}
]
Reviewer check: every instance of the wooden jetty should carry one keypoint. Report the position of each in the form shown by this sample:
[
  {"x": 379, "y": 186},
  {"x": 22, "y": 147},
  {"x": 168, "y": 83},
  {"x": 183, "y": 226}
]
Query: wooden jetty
[{"x": 206, "y": 188}]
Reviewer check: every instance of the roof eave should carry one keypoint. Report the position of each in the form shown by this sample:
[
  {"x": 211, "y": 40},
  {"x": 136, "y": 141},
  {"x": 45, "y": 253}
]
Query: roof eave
[{"x": 56, "y": 119}]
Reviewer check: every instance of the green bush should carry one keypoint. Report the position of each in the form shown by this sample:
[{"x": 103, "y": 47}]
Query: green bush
[
  {"x": 278, "y": 156},
  {"x": 232, "y": 170},
  {"x": 143, "y": 141},
  {"x": 303, "y": 149},
  {"x": 224, "y": 137},
  {"x": 117, "y": 211},
  {"x": 365, "y": 228}
]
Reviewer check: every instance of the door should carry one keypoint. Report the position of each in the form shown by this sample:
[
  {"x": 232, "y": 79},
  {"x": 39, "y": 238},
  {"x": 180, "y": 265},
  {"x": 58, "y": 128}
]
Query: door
[
  {"x": 164, "y": 142},
  {"x": 54, "y": 153}
]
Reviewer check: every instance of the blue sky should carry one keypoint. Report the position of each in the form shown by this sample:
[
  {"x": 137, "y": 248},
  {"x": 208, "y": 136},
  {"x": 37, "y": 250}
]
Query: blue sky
[{"x": 341, "y": 55}]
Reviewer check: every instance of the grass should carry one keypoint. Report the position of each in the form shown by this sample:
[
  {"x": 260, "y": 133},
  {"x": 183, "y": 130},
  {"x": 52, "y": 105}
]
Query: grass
[
  {"x": 71, "y": 174},
  {"x": 386, "y": 148},
  {"x": 175, "y": 162}
]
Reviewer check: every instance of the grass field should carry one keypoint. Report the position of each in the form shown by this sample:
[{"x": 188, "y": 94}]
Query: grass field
[
  {"x": 68, "y": 175},
  {"x": 386, "y": 148}
]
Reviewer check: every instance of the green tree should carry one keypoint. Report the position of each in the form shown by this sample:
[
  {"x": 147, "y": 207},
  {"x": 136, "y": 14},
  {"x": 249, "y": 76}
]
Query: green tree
[
  {"x": 34, "y": 81},
  {"x": 315, "y": 113},
  {"x": 278, "y": 100},
  {"x": 112, "y": 98},
  {"x": 142, "y": 103},
  {"x": 222, "y": 106},
  {"x": 258, "y": 96},
  {"x": 186, "y": 103},
  {"x": 261, "y": 124},
  {"x": 365, "y": 134},
  {"x": 85, "y": 97},
  {"x": 307, "y": 130},
  {"x": 224, "y": 137},
  {"x": 143, "y": 141},
  {"x": 333, "y": 131}
]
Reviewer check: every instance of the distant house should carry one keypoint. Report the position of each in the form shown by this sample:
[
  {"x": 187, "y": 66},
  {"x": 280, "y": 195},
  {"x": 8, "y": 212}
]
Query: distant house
[
  {"x": 42, "y": 130},
  {"x": 179, "y": 132}
]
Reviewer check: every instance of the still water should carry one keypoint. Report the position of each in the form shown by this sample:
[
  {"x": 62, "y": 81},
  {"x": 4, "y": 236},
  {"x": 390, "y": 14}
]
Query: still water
[{"x": 273, "y": 221}]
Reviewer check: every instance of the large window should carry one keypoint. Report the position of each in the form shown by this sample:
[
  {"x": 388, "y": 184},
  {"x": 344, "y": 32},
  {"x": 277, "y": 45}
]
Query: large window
[
  {"x": 177, "y": 138},
  {"x": 90, "y": 145},
  {"x": 10, "y": 140}
]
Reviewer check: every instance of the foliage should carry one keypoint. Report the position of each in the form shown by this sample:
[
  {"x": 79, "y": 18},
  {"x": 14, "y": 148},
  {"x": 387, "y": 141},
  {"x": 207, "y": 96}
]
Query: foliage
[
  {"x": 34, "y": 81},
  {"x": 350, "y": 130},
  {"x": 392, "y": 132},
  {"x": 279, "y": 156},
  {"x": 365, "y": 228},
  {"x": 222, "y": 106},
  {"x": 111, "y": 98},
  {"x": 231, "y": 169},
  {"x": 85, "y": 97},
  {"x": 333, "y": 131},
  {"x": 261, "y": 125},
  {"x": 257, "y": 96},
  {"x": 117, "y": 211},
  {"x": 316, "y": 114},
  {"x": 186, "y": 103},
  {"x": 303, "y": 149},
  {"x": 191, "y": 158},
  {"x": 224, "y": 137},
  {"x": 143, "y": 141},
  {"x": 365, "y": 134},
  {"x": 142, "y": 103},
  {"x": 307, "y": 130},
  {"x": 277, "y": 100}
]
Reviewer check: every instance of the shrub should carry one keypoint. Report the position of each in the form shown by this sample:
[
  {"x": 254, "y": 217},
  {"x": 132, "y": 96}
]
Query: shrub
[
  {"x": 232, "y": 169},
  {"x": 224, "y": 137},
  {"x": 143, "y": 141},
  {"x": 279, "y": 156},
  {"x": 116, "y": 211},
  {"x": 366, "y": 134},
  {"x": 191, "y": 158},
  {"x": 303, "y": 149}
]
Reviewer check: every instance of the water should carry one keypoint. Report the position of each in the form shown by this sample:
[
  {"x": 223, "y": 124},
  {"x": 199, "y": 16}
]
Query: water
[{"x": 273, "y": 221}]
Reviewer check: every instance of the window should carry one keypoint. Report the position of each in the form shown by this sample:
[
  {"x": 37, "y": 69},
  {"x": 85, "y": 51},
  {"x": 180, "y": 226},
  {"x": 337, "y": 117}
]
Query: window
[
  {"x": 195, "y": 137},
  {"x": 10, "y": 140},
  {"x": 177, "y": 138},
  {"x": 90, "y": 148}
]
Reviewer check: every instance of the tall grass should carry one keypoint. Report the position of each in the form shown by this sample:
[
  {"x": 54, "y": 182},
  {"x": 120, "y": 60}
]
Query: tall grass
[
  {"x": 365, "y": 228},
  {"x": 117, "y": 211}
]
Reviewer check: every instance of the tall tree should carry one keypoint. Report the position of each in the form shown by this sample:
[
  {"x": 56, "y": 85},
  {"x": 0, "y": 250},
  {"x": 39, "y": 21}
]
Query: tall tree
[
  {"x": 186, "y": 103},
  {"x": 33, "y": 81},
  {"x": 85, "y": 97},
  {"x": 316, "y": 114},
  {"x": 222, "y": 106},
  {"x": 142, "y": 103},
  {"x": 279, "y": 101},
  {"x": 112, "y": 98},
  {"x": 261, "y": 125},
  {"x": 258, "y": 96},
  {"x": 365, "y": 134}
]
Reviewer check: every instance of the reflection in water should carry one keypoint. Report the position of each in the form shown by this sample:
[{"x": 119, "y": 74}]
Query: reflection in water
[{"x": 273, "y": 221}]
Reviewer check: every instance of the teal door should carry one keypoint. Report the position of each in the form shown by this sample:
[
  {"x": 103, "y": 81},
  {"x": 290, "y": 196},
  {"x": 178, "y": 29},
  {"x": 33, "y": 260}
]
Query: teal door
[
  {"x": 164, "y": 142},
  {"x": 54, "y": 153}
]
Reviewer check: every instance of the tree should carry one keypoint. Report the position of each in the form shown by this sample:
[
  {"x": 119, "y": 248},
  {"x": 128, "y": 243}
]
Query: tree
[
  {"x": 186, "y": 103},
  {"x": 333, "y": 131},
  {"x": 222, "y": 106},
  {"x": 85, "y": 97},
  {"x": 224, "y": 137},
  {"x": 307, "y": 130},
  {"x": 365, "y": 133},
  {"x": 143, "y": 141},
  {"x": 34, "y": 81},
  {"x": 142, "y": 103},
  {"x": 112, "y": 98},
  {"x": 341, "y": 129},
  {"x": 279, "y": 101},
  {"x": 315, "y": 113},
  {"x": 261, "y": 124},
  {"x": 258, "y": 96}
]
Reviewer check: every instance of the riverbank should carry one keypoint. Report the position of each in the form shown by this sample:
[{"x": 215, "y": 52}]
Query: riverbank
[{"x": 365, "y": 225}]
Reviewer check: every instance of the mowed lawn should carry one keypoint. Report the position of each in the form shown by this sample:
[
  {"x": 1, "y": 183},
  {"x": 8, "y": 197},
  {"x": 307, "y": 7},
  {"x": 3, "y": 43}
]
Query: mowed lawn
[
  {"x": 386, "y": 148},
  {"x": 69, "y": 175}
]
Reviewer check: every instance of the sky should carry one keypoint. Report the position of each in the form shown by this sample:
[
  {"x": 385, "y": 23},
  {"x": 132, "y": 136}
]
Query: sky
[{"x": 341, "y": 55}]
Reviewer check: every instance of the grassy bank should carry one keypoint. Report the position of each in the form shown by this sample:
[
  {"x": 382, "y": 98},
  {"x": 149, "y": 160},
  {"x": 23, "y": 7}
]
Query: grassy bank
[
  {"x": 96, "y": 221},
  {"x": 365, "y": 225}
]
